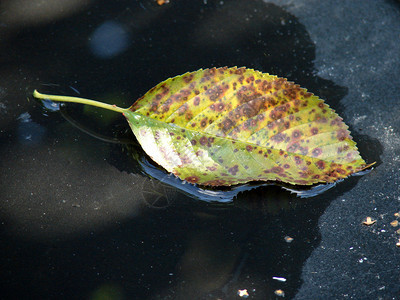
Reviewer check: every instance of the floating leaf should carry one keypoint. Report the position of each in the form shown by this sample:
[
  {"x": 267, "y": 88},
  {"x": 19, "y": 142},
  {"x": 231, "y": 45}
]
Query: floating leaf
[{"x": 227, "y": 126}]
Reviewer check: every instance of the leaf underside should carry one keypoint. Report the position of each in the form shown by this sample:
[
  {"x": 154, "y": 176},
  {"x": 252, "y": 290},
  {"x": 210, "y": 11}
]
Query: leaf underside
[{"x": 226, "y": 126}]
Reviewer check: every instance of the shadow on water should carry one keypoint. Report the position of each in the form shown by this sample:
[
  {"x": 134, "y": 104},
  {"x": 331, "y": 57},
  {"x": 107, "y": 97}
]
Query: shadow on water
[{"x": 178, "y": 248}]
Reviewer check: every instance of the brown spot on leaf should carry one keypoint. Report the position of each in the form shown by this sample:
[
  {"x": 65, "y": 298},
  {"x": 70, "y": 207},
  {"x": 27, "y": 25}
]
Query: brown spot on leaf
[
  {"x": 278, "y": 138},
  {"x": 233, "y": 170},
  {"x": 341, "y": 171},
  {"x": 203, "y": 140},
  {"x": 314, "y": 130},
  {"x": 192, "y": 179},
  {"x": 220, "y": 107},
  {"x": 296, "y": 134},
  {"x": 317, "y": 152},
  {"x": 227, "y": 124},
  {"x": 188, "y": 77},
  {"x": 216, "y": 182},
  {"x": 342, "y": 134},
  {"x": 277, "y": 170},
  {"x": 320, "y": 164},
  {"x": 298, "y": 160}
]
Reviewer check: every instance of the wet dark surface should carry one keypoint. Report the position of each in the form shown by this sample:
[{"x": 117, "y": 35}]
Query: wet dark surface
[{"x": 81, "y": 219}]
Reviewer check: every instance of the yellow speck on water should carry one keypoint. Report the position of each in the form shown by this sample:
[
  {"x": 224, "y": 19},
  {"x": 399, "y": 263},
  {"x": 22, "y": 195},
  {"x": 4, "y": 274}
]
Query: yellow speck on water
[
  {"x": 368, "y": 221},
  {"x": 288, "y": 239},
  {"x": 394, "y": 223},
  {"x": 280, "y": 293},
  {"x": 243, "y": 293},
  {"x": 397, "y": 214}
]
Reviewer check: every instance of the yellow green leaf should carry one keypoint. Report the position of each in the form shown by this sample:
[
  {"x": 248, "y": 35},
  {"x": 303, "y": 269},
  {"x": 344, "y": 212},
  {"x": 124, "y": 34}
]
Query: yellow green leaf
[{"x": 226, "y": 126}]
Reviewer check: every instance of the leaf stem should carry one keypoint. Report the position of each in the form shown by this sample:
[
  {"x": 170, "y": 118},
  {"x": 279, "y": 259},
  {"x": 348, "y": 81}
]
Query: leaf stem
[{"x": 115, "y": 108}]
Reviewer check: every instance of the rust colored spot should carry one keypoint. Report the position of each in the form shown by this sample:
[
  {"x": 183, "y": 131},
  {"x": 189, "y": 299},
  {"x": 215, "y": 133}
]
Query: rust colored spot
[
  {"x": 317, "y": 152},
  {"x": 304, "y": 150},
  {"x": 233, "y": 170},
  {"x": 203, "y": 140},
  {"x": 314, "y": 131},
  {"x": 212, "y": 168},
  {"x": 196, "y": 101},
  {"x": 178, "y": 137},
  {"x": 320, "y": 164},
  {"x": 188, "y": 116},
  {"x": 188, "y": 78},
  {"x": 341, "y": 171},
  {"x": 183, "y": 109},
  {"x": 276, "y": 170},
  {"x": 227, "y": 124},
  {"x": 203, "y": 122},
  {"x": 278, "y": 138},
  {"x": 286, "y": 125},
  {"x": 249, "y": 148},
  {"x": 342, "y": 134},
  {"x": 193, "y": 142},
  {"x": 296, "y": 134},
  {"x": 192, "y": 179},
  {"x": 216, "y": 182},
  {"x": 220, "y": 106}
]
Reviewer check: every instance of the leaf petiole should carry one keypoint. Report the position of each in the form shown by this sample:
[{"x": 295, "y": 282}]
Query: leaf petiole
[{"x": 115, "y": 108}]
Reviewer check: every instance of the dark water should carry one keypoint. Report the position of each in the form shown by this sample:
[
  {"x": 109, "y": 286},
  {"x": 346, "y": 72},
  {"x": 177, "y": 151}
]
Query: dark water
[{"x": 82, "y": 218}]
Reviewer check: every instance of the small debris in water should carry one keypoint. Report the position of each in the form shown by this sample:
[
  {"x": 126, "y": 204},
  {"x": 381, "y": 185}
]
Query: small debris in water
[
  {"x": 398, "y": 231},
  {"x": 161, "y": 2},
  {"x": 288, "y": 239},
  {"x": 76, "y": 205},
  {"x": 280, "y": 293},
  {"x": 368, "y": 221},
  {"x": 282, "y": 279},
  {"x": 398, "y": 243},
  {"x": 243, "y": 293},
  {"x": 397, "y": 214},
  {"x": 394, "y": 223}
]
